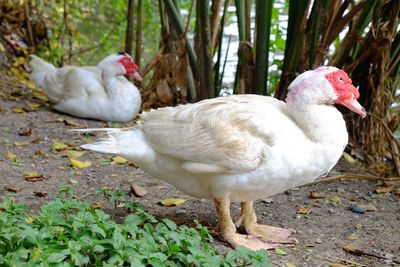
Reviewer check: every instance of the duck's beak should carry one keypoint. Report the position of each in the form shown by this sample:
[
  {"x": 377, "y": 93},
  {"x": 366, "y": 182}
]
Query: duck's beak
[
  {"x": 135, "y": 75},
  {"x": 354, "y": 105}
]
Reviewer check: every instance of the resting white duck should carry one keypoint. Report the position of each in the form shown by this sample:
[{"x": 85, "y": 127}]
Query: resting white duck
[
  {"x": 98, "y": 92},
  {"x": 243, "y": 147}
]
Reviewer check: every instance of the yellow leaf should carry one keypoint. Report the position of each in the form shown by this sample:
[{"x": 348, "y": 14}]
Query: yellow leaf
[
  {"x": 20, "y": 144},
  {"x": 11, "y": 156},
  {"x": 2, "y": 48},
  {"x": 119, "y": 160},
  {"x": 337, "y": 265},
  {"x": 58, "y": 146},
  {"x": 334, "y": 199},
  {"x": 348, "y": 158},
  {"x": 80, "y": 164},
  {"x": 74, "y": 154},
  {"x": 368, "y": 207},
  {"x": 353, "y": 237},
  {"x": 304, "y": 210},
  {"x": 41, "y": 96},
  {"x": 73, "y": 123},
  {"x": 29, "y": 220},
  {"x": 172, "y": 202},
  {"x": 18, "y": 110},
  {"x": 290, "y": 264},
  {"x": 382, "y": 190},
  {"x": 33, "y": 106},
  {"x": 314, "y": 195},
  {"x": 59, "y": 119},
  {"x": 33, "y": 176},
  {"x": 352, "y": 249}
]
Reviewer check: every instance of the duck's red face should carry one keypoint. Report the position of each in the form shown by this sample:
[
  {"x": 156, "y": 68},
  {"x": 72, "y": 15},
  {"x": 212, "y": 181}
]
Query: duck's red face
[
  {"x": 132, "y": 70},
  {"x": 346, "y": 92}
]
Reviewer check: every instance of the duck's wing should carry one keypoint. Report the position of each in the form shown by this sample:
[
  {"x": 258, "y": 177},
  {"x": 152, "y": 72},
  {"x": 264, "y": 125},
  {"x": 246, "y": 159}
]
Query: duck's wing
[{"x": 229, "y": 134}]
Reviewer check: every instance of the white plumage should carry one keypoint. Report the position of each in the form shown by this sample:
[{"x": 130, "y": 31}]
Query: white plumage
[
  {"x": 243, "y": 147},
  {"x": 97, "y": 92}
]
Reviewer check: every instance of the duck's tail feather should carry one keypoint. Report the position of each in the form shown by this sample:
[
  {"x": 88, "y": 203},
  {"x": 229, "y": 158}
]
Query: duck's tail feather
[{"x": 126, "y": 141}]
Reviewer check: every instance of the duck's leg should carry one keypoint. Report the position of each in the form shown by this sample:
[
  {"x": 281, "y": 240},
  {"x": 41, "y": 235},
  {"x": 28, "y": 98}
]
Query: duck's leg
[
  {"x": 268, "y": 234},
  {"x": 228, "y": 229}
]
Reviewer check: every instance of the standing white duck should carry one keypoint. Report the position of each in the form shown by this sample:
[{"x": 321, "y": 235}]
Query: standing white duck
[
  {"x": 243, "y": 147},
  {"x": 97, "y": 92}
]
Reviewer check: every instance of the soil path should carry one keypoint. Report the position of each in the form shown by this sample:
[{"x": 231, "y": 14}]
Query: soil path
[{"x": 29, "y": 127}]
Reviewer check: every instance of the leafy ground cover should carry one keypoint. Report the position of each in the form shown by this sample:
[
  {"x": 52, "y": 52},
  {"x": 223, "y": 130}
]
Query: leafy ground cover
[{"x": 71, "y": 232}]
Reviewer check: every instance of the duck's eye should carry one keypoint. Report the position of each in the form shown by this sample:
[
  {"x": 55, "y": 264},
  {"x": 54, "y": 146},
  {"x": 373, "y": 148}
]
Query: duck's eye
[{"x": 341, "y": 78}]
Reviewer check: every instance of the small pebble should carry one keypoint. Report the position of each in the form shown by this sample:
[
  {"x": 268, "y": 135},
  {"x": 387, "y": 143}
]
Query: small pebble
[
  {"x": 318, "y": 241},
  {"x": 356, "y": 209},
  {"x": 332, "y": 211}
]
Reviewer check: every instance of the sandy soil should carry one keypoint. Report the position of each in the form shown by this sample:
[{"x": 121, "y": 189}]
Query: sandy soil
[{"x": 322, "y": 233}]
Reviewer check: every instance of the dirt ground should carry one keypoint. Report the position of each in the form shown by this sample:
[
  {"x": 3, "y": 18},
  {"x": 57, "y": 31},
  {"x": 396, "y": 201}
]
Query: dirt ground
[{"x": 28, "y": 127}]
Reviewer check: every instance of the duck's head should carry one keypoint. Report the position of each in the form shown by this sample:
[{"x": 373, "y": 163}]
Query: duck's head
[
  {"x": 121, "y": 64},
  {"x": 325, "y": 85}
]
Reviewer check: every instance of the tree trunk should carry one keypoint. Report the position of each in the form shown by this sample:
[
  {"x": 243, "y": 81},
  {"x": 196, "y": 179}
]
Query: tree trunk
[{"x": 129, "y": 27}]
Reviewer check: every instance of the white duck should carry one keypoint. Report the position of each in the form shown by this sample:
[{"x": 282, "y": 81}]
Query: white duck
[
  {"x": 97, "y": 92},
  {"x": 244, "y": 147}
]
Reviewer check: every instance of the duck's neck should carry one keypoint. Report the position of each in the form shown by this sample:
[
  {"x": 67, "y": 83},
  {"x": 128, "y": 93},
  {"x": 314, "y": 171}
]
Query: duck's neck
[{"x": 321, "y": 123}]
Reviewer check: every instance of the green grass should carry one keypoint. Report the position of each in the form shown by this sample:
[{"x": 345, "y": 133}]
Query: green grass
[{"x": 70, "y": 232}]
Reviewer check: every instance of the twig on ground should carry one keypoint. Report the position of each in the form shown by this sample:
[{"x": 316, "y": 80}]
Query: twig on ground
[{"x": 349, "y": 176}]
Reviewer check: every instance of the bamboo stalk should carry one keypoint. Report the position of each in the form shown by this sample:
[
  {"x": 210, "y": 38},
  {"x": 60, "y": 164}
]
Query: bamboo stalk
[
  {"x": 205, "y": 88},
  {"x": 129, "y": 27},
  {"x": 138, "y": 50},
  {"x": 174, "y": 16},
  {"x": 263, "y": 28},
  {"x": 217, "y": 76}
]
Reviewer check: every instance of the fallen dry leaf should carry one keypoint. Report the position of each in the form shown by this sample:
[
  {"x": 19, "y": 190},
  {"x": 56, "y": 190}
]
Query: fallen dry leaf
[
  {"x": 12, "y": 189},
  {"x": 368, "y": 207},
  {"x": 80, "y": 164},
  {"x": 315, "y": 195},
  {"x": 72, "y": 181},
  {"x": 21, "y": 144},
  {"x": 172, "y": 202},
  {"x": 25, "y": 132},
  {"x": 383, "y": 190},
  {"x": 33, "y": 106},
  {"x": 29, "y": 220},
  {"x": 119, "y": 160},
  {"x": 352, "y": 249},
  {"x": 59, "y": 119},
  {"x": 33, "y": 176},
  {"x": 18, "y": 110},
  {"x": 11, "y": 156},
  {"x": 334, "y": 199},
  {"x": 73, "y": 123},
  {"x": 352, "y": 237},
  {"x": 40, "y": 152},
  {"x": 58, "y": 146},
  {"x": 280, "y": 252},
  {"x": 138, "y": 190},
  {"x": 348, "y": 158},
  {"x": 40, "y": 193},
  {"x": 40, "y": 95},
  {"x": 96, "y": 206},
  {"x": 337, "y": 265},
  {"x": 66, "y": 122},
  {"x": 75, "y": 154},
  {"x": 303, "y": 210},
  {"x": 288, "y": 264}
]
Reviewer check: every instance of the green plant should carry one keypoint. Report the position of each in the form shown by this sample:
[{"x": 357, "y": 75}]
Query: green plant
[{"x": 70, "y": 232}]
